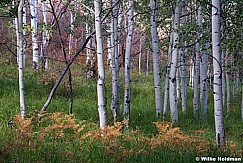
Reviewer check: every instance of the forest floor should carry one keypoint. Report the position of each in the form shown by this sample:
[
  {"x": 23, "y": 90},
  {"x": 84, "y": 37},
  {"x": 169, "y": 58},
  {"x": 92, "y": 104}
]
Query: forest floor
[{"x": 56, "y": 136}]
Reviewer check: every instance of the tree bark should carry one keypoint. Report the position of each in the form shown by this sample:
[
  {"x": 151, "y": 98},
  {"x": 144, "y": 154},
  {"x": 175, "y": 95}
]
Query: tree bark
[
  {"x": 101, "y": 68},
  {"x": 183, "y": 66},
  {"x": 174, "y": 64},
  {"x": 197, "y": 64},
  {"x": 217, "y": 70},
  {"x": 156, "y": 64},
  {"x": 227, "y": 82},
  {"x": 129, "y": 39},
  {"x": 34, "y": 31},
  {"x": 115, "y": 103},
  {"x": 20, "y": 55}
]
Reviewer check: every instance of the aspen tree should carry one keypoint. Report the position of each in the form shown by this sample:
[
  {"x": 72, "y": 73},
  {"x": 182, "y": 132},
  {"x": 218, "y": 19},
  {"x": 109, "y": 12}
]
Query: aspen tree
[
  {"x": 174, "y": 64},
  {"x": 115, "y": 103},
  {"x": 20, "y": 56},
  {"x": 217, "y": 72},
  {"x": 101, "y": 68},
  {"x": 34, "y": 31},
  {"x": 155, "y": 54},
  {"x": 129, "y": 39}
]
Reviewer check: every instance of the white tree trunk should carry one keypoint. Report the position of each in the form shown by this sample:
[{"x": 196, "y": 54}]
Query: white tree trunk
[
  {"x": 24, "y": 31},
  {"x": 127, "y": 94},
  {"x": 183, "y": 79},
  {"x": 197, "y": 64},
  {"x": 191, "y": 80},
  {"x": 156, "y": 64},
  {"x": 203, "y": 82},
  {"x": 167, "y": 78},
  {"x": 109, "y": 51},
  {"x": 227, "y": 82},
  {"x": 178, "y": 84},
  {"x": 20, "y": 55},
  {"x": 72, "y": 20},
  {"x": 223, "y": 78},
  {"x": 174, "y": 64},
  {"x": 115, "y": 103},
  {"x": 147, "y": 62},
  {"x": 140, "y": 53},
  {"x": 45, "y": 37},
  {"x": 15, "y": 25},
  {"x": 88, "y": 51},
  {"x": 217, "y": 86},
  {"x": 101, "y": 68},
  {"x": 34, "y": 31},
  {"x": 184, "y": 66}
]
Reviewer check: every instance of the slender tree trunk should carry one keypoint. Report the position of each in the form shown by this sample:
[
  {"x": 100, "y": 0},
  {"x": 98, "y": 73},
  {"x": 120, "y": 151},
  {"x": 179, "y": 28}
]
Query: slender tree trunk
[
  {"x": 192, "y": 65},
  {"x": 15, "y": 25},
  {"x": 115, "y": 103},
  {"x": 227, "y": 81},
  {"x": 217, "y": 70},
  {"x": 178, "y": 84},
  {"x": 45, "y": 37},
  {"x": 101, "y": 68},
  {"x": 183, "y": 66},
  {"x": 20, "y": 55},
  {"x": 109, "y": 51},
  {"x": 156, "y": 64},
  {"x": 197, "y": 64},
  {"x": 88, "y": 51},
  {"x": 183, "y": 80},
  {"x": 147, "y": 62},
  {"x": 24, "y": 32},
  {"x": 223, "y": 78},
  {"x": 203, "y": 82},
  {"x": 34, "y": 31},
  {"x": 140, "y": 53},
  {"x": 167, "y": 77},
  {"x": 129, "y": 39},
  {"x": 72, "y": 20},
  {"x": 174, "y": 64}
]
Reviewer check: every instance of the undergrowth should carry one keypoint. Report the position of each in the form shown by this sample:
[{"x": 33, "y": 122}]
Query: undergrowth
[{"x": 55, "y": 136}]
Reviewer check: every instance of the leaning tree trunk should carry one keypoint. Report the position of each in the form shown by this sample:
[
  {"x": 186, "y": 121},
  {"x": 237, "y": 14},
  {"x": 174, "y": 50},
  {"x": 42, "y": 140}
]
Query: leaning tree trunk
[
  {"x": 127, "y": 98},
  {"x": 20, "y": 55},
  {"x": 101, "y": 68},
  {"x": 217, "y": 70},
  {"x": 34, "y": 31},
  {"x": 156, "y": 65},
  {"x": 174, "y": 64}
]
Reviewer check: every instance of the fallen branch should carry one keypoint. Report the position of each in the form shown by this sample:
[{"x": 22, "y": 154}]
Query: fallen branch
[{"x": 64, "y": 72}]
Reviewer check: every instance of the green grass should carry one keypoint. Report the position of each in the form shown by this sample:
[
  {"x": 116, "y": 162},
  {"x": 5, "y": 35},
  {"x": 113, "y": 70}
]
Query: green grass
[{"x": 132, "y": 145}]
